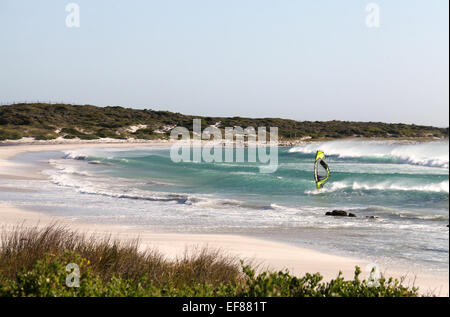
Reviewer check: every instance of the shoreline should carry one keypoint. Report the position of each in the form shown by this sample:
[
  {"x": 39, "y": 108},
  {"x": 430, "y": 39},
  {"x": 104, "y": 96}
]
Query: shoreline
[
  {"x": 281, "y": 142},
  {"x": 271, "y": 255}
]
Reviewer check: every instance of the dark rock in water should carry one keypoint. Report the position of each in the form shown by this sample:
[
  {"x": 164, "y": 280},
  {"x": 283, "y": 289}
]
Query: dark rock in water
[
  {"x": 340, "y": 213},
  {"x": 337, "y": 213},
  {"x": 371, "y": 217}
]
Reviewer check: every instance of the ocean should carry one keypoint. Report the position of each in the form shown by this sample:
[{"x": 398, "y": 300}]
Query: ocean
[{"x": 398, "y": 190}]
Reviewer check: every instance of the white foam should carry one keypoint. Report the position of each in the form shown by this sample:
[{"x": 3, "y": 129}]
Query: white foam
[
  {"x": 434, "y": 154},
  {"x": 331, "y": 188},
  {"x": 67, "y": 169},
  {"x": 442, "y": 187}
]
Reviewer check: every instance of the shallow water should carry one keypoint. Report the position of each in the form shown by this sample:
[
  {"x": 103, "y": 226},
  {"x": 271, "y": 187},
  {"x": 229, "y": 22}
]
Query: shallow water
[{"x": 406, "y": 186}]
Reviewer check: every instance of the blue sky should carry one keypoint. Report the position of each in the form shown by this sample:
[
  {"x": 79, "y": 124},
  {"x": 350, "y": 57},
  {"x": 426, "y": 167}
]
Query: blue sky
[{"x": 304, "y": 60}]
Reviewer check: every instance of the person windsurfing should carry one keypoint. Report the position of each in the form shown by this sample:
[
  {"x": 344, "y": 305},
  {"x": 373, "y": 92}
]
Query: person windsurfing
[{"x": 321, "y": 170}]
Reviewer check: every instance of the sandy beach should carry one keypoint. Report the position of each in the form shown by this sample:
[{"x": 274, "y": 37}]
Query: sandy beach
[{"x": 270, "y": 255}]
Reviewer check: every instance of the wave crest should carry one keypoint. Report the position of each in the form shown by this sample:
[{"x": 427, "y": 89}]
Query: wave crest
[
  {"x": 442, "y": 187},
  {"x": 433, "y": 154}
]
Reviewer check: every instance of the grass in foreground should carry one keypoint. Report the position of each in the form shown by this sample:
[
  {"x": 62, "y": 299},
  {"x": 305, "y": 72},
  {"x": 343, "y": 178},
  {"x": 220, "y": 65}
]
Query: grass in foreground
[{"x": 33, "y": 262}]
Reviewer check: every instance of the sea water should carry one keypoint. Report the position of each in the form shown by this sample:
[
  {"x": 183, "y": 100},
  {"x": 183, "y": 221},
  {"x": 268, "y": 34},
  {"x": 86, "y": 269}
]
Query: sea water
[{"x": 398, "y": 190}]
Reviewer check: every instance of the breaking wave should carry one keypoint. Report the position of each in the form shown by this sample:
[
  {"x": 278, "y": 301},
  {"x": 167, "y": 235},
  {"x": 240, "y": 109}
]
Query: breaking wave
[
  {"x": 433, "y": 154},
  {"x": 86, "y": 183},
  {"x": 442, "y": 187}
]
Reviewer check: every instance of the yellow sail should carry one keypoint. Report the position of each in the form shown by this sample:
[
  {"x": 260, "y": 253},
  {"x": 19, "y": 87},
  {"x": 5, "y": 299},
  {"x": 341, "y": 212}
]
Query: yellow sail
[{"x": 321, "y": 170}]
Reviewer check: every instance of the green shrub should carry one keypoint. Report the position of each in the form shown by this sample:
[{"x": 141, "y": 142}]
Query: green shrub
[
  {"x": 10, "y": 134},
  {"x": 106, "y": 133},
  {"x": 33, "y": 262},
  {"x": 311, "y": 285},
  {"x": 48, "y": 277},
  {"x": 88, "y": 136},
  {"x": 71, "y": 133}
]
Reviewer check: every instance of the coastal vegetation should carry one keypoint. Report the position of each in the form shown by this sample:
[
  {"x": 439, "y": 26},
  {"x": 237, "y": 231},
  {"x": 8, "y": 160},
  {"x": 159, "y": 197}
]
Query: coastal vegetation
[
  {"x": 43, "y": 121},
  {"x": 34, "y": 262}
]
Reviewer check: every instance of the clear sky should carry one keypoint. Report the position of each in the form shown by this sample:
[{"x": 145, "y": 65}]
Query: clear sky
[{"x": 298, "y": 59}]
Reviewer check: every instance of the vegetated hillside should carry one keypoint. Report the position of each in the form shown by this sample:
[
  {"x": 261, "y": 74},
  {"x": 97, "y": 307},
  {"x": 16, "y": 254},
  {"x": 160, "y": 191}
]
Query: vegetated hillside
[{"x": 49, "y": 121}]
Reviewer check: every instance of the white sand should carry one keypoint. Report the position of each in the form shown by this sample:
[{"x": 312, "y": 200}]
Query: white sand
[{"x": 272, "y": 255}]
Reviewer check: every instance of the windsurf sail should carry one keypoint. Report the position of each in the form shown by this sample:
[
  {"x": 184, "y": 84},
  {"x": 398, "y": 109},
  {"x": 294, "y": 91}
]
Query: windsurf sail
[{"x": 321, "y": 170}]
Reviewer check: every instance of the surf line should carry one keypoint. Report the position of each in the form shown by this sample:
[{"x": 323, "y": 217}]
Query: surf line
[{"x": 234, "y": 142}]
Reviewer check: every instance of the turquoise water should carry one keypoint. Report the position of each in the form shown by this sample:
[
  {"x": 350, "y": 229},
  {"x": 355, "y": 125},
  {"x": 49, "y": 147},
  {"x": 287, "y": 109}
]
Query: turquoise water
[{"x": 404, "y": 186}]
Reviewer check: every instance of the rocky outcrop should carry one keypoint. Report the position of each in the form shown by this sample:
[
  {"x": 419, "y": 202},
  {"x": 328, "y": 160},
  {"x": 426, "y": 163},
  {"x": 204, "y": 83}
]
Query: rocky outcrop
[{"x": 340, "y": 213}]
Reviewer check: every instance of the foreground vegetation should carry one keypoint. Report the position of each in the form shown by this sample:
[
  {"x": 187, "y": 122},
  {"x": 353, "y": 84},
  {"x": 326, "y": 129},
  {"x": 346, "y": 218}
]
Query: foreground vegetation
[
  {"x": 49, "y": 121},
  {"x": 33, "y": 262}
]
